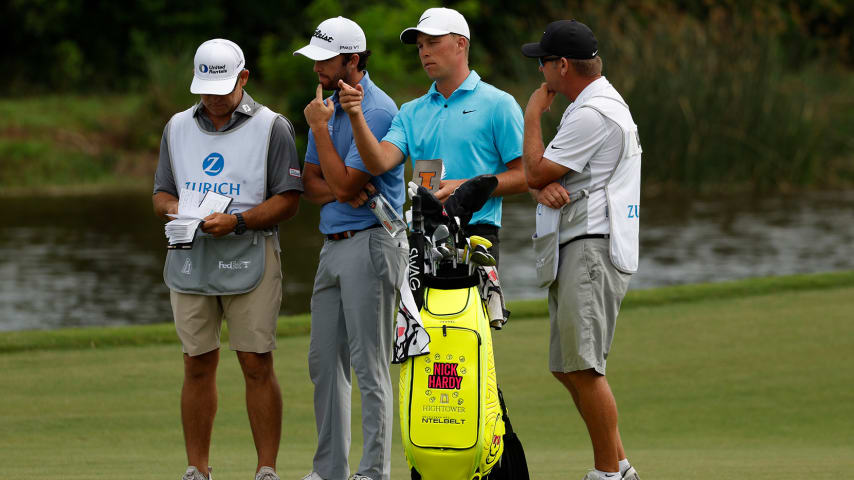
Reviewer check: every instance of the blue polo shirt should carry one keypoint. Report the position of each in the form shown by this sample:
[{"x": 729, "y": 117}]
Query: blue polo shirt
[
  {"x": 379, "y": 109},
  {"x": 475, "y": 131}
]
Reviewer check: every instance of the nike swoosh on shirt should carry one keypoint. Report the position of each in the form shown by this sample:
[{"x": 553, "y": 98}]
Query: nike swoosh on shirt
[
  {"x": 556, "y": 148},
  {"x": 468, "y": 111}
]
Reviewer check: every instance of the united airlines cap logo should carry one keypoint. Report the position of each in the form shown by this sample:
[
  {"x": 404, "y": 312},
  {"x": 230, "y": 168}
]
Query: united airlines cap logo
[{"x": 213, "y": 164}]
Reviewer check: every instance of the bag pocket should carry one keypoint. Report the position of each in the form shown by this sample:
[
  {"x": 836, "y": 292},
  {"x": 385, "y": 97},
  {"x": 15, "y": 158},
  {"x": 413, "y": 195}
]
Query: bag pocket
[
  {"x": 546, "y": 254},
  {"x": 228, "y": 265}
]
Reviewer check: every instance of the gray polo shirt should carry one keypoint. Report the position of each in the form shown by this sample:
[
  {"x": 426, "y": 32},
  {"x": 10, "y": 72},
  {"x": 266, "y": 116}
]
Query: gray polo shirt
[{"x": 282, "y": 160}]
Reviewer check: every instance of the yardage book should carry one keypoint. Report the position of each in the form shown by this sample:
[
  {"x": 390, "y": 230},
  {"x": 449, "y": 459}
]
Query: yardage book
[{"x": 193, "y": 207}]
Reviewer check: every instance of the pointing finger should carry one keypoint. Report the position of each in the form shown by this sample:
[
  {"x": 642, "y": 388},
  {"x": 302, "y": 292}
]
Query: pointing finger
[{"x": 319, "y": 94}]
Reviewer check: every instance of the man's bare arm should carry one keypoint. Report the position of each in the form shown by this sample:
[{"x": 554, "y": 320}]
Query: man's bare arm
[
  {"x": 317, "y": 191},
  {"x": 378, "y": 157},
  {"x": 539, "y": 171},
  {"x": 164, "y": 203}
]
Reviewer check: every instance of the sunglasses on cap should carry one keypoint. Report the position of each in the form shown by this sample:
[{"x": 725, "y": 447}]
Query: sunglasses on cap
[{"x": 543, "y": 60}]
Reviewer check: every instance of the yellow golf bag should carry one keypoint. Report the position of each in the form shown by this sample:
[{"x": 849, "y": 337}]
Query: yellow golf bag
[{"x": 450, "y": 416}]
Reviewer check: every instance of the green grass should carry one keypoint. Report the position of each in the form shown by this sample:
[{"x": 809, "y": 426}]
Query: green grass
[
  {"x": 99, "y": 337},
  {"x": 737, "y": 385}
]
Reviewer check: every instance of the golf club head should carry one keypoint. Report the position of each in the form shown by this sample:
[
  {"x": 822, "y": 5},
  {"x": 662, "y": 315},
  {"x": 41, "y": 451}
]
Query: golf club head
[
  {"x": 476, "y": 240},
  {"x": 482, "y": 257},
  {"x": 440, "y": 234}
]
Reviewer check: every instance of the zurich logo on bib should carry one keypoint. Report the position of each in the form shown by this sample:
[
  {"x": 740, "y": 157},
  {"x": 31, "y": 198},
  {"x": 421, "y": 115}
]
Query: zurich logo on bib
[{"x": 213, "y": 164}]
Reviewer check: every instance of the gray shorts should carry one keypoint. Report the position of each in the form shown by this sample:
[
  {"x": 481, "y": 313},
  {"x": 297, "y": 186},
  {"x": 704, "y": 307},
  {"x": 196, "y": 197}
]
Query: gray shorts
[{"x": 584, "y": 302}]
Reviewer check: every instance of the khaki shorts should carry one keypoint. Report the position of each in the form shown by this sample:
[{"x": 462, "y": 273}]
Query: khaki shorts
[
  {"x": 251, "y": 316},
  {"x": 584, "y": 302}
]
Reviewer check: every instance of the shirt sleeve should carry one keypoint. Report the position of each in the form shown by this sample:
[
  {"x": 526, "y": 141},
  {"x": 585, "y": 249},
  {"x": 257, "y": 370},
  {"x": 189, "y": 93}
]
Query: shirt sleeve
[
  {"x": 577, "y": 140},
  {"x": 283, "y": 168},
  {"x": 508, "y": 128},
  {"x": 397, "y": 133},
  {"x": 164, "y": 180},
  {"x": 378, "y": 121}
]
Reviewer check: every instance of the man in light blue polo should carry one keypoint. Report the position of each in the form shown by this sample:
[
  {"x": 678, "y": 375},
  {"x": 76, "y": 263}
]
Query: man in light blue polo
[
  {"x": 361, "y": 266},
  {"x": 473, "y": 127}
]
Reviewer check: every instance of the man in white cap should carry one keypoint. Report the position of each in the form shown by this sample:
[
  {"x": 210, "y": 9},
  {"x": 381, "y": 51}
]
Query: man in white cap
[
  {"x": 587, "y": 181},
  {"x": 234, "y": 146},
  {"x": 473, "y": 127},
  {"x": 361, "y": 266}
]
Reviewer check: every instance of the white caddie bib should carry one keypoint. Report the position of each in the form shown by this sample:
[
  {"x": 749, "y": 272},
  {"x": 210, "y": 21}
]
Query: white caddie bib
[
  {"x": 232, "y": 163},
  {"x": 622, "y": 189}
]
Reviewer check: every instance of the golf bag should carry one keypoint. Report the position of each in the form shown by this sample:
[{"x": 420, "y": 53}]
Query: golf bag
[{"x": 453, "y": 419}]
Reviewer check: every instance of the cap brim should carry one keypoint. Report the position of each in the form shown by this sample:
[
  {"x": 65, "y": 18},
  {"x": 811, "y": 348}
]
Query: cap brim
[
  {"x": 410, "y": 35},
  {"x": 212, "y": 87},
  {"x": 533, "y": 50},
  {"x": 315, "y": 53}
]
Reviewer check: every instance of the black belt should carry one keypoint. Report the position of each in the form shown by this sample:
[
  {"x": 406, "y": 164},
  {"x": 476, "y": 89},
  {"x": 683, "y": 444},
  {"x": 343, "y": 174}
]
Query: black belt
[
  {"x": 349, "y": 233},
  {"x": 584, "y": 237}
]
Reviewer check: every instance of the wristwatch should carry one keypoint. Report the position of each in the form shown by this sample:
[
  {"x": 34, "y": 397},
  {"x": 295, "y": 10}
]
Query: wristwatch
[{"x": 240, "y": 228}]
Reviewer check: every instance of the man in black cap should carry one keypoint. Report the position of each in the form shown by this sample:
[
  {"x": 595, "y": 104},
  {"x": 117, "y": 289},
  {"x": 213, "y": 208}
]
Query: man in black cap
[{"x": 587, "y": 183}]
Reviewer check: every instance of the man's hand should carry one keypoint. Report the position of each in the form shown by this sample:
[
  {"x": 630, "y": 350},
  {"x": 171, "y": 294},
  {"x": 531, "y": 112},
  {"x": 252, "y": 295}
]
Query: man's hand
[
  {"x": 553, "y": 195},
  {"x": 219, "y": 224},
  {"x": 540, "y": 101},
  {"x": 446, "y": 188},
  {"x": 318, "y": 112},
  {"x": 363, "y": 196},
  {"x": 350, "y": 98}
]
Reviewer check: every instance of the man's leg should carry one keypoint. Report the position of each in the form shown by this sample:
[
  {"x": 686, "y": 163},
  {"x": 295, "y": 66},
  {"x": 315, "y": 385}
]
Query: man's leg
[
  {"x": 369, "y": 292},
  {"x": 329, "y": 368},
  {"x": 264, "y": 405},
  {"x": 198, "y": 407},
  {"x": 564, "y": 379},
  {"x": 252, "y": 319},
  {"x": 598, "y": 409}
]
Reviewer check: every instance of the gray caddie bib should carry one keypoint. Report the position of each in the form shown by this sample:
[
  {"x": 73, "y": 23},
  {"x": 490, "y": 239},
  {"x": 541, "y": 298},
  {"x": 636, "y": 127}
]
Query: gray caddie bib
[{"x": 229, "y": 265}]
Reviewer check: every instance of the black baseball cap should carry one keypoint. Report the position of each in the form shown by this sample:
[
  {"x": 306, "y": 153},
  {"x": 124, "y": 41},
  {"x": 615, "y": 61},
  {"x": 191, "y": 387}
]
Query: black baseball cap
[{"x": 564, "y": 38}]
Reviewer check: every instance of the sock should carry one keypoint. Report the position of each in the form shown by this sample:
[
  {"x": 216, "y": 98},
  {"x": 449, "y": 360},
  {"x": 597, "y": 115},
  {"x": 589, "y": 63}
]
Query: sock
[
  {"x": 624, "y": 466},
  {"x": 607, "y": 475}
]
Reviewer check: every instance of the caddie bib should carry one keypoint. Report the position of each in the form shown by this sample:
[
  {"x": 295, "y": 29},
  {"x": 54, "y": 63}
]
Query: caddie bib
[
  {"x": 622, "y": 188},
  {"x": 232, "y": 163}
]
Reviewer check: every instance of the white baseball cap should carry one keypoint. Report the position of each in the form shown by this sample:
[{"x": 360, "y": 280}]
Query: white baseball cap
[
  {"x": 332, "y": 37},
  {"x": 437, "y": 21},
  {"x": 218, "y": 62}
]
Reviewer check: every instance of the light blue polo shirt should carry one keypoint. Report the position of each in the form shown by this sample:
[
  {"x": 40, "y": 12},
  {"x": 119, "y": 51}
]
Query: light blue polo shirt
[
  {"x": 379, "y": 109},
  {"x": 475, "y": 131}
]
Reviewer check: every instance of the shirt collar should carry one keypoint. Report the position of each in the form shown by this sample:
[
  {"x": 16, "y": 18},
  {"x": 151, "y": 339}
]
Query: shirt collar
[
  {"x": 592, "y": 89},
  {"x": 470, "y": 83},
  {"x": 247, "y": 106}
]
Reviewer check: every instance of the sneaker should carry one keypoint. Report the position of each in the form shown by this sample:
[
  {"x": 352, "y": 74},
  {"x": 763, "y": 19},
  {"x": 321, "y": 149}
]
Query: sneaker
[
  {"x": 266, "y": 473},
  {"x": 591, "y": 475},
  {"x": 631, "y": 474},
  {"x": 312, "y": 476},
  {"x": 193, "y": 473},
  {"x": 360, "y": 477}
]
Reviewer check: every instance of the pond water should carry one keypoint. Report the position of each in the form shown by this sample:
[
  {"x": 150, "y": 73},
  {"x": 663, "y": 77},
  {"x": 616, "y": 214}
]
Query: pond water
[{"x": 98, "y": 259}]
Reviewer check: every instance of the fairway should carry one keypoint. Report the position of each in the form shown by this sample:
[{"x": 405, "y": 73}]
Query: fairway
[{"x": 756, "y": 387}]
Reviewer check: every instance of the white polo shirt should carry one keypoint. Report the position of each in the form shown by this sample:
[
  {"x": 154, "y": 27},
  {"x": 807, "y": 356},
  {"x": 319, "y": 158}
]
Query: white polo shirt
[{"x": 589, "y": 144}]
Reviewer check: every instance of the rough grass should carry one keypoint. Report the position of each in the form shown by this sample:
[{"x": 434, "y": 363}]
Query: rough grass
[{"x": 722, "y": 386}]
